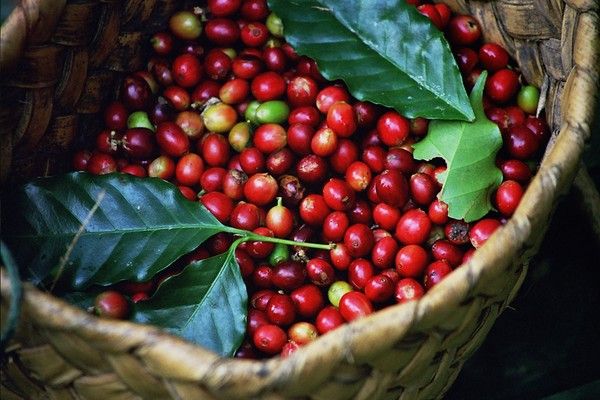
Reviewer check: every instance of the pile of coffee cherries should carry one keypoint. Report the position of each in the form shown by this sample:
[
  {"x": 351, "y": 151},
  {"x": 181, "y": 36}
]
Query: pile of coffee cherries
[{"x": 228, "y": 112}]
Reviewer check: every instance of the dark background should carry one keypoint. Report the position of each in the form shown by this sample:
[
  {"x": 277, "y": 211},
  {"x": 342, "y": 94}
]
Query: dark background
[{"x": 546, "y": 345}]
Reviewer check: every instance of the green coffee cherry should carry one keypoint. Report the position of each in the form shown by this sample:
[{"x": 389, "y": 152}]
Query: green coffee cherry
[
  {"x": 139, "y": 119},
  {"x": 279, "y": 254},
  {"x": 528, "y": 99},
  {"x": 337, "y": 290},
  {"x": 272, "y": 112},
  {"x": 275, "y": 25},
  {"x": 250, "y": 113}
]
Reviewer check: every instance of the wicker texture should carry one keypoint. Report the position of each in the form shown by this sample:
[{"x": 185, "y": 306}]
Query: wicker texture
[{"x": 68, "y": 59}]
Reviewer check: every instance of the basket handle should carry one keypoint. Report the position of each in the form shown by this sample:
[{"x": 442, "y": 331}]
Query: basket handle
[{"x": 16, "y": 295}]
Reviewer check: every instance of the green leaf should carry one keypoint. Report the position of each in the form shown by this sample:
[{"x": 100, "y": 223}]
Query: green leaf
[
  {"x": 118, "y": 227},
  {"x": 384, "y": 50},
  {"x": 205, "y": 304},
  {"x": 470, "y": 152}
]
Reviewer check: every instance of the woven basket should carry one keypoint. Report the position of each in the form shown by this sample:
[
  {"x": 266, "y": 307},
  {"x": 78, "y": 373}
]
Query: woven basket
[{"x": 66, "y": 61}]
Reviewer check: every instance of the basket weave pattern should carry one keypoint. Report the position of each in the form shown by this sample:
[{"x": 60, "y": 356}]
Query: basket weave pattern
[{"x": 67, "y": 61}]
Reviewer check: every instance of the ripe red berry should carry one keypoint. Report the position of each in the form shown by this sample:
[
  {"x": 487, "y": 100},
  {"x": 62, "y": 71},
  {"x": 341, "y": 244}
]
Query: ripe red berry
[
  {"x": 482, "y": 230},
  {"x": 379, "y": 289},
  {"x": 408, "y": 289},
  {"x": 392, "y": 128},
  {"x": 502, "y": 85},
  {"x": 111, "y": 304},
  {"x": 359, "y": 240},
  {"x": 463, "y": 30},
  {"x": 338, "y": 195},
  {"x": 269, "y": 339},
  {"x": 411, "y": 261},
  {"x": 335, "y": 225},
  {"x": 328, "y": 319},
  {"x": 493, "y": 57},
  {"x": 435, "y": 272},
  {"x": 268, "y": 86},
  {"x": 341, "y": 118},
  {"x": 308, "y": 300},
  {"x": 355, "y": 305},
  {"x": 508, "y": 196},
  {"x": 413, "y": 227}
]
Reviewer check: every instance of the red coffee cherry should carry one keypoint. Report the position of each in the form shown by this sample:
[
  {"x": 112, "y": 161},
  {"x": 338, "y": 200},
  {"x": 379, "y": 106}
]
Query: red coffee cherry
[
  {"x": 355, "y": 305},
  {"x": 359, "y": 240},
  {"x": 408, "y": 289},
  {"x": 493, "y": 57},
  {"x": 111, "y": 304},
  {"x": 413, "y": 227},
  {"x": 508, "y": 196},
  {"x": 269, "y": 339},
  {"x": 502, "y": 85},
  {"x": 411, "y": 261},
  {"x": 392, "y": 128},
  {"x": 463, "y": 30},
  {"x": 435, "y": 272}
]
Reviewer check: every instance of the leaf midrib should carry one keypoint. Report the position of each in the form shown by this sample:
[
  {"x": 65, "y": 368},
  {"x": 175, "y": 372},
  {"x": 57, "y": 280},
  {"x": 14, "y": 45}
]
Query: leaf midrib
[{"x": 177, "y": 227}]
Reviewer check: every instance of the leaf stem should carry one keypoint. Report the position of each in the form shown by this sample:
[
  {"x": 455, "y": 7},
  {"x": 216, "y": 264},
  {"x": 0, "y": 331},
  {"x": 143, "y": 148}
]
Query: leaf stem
[{"x": 255, "y": 237}]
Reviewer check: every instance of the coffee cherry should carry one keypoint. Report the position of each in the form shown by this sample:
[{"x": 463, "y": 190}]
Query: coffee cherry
[
  {"x": 392, "y": 188},
  {"x": 185, "y": 25},
  {"x": 189, "y": 169},
  {"x": 111, "y": 304},
  {"x": 457, "y": 232},
  {"x": 336, "y": 291},
  {"x": 218, "y": 204},
  {"x": 328, "y": 319},
  {"x": 269, "y": 138},
  {"x": 308, "y": 300},
  {"x": 359, "y": 240},
  {"x": 493, "y": 57},
  {"x": 502, "y": 85},
  {"x": 435, "y": 272},
  {"x": 408, "y": 289},
  {"x": 334, "y": 226},
  {"x": 267, "y": 86},
  {"x": 392, "y": 128},
  {"x": 313, "y": 209},
  {"x": 269, "y": 339},
  {"x": 445, "y": 250},
  {"x": 330, "y": 95},
  {"x": 508, "y": 196},
  {"x": 411, "y": 261},
  {"x": 260, "y": 189},
  {"x": 359, "y": 272},
  {"x": 355, "y": 305},
  {"x": 320, "y": 272},
  {"x": 342, "y": 119},
  {"x": 338, "y": 195},
  {"x": 288, "y": 275},
  {"x": 280, "y": 310},
  {"x": 384, "y": 251},
  {"x": 222, "y": 31},
  {"x": 413, "y": 227},
  {"x": 482, "y": 230},
  {"x": 162, "y": 167},
  {"x": 101, "y": 163},
  {"x": 521, "y": 143},
  {"x": 379, "y": 289},
  {"x": 463, "y": 30}
]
